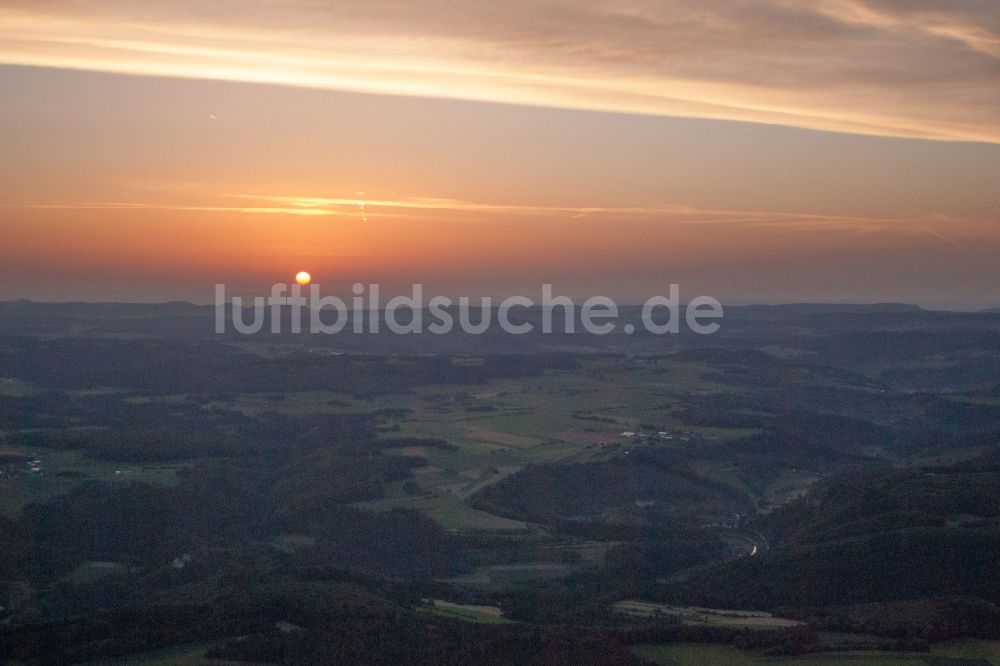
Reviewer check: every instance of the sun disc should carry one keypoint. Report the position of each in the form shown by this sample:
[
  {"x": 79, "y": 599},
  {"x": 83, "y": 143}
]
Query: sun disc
[{"x": 303, "y": 278}]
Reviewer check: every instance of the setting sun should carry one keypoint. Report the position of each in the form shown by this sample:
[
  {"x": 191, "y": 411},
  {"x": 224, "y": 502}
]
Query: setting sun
[{"x": 303, "y": 278}]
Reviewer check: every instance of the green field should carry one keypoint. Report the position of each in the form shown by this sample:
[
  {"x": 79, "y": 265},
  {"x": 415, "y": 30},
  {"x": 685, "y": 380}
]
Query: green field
[
  {"x": 449, "y": 511},
  {"x": 705, "y": 616},
  {"x": 467, "y": 613},
  {"x": 190, "y": 654},
  {"x": 696, "y": 654},
  {"x": 61, "y": 470}
]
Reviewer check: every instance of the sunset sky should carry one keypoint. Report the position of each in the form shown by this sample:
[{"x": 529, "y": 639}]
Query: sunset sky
[{"x": 835, "y": 150}]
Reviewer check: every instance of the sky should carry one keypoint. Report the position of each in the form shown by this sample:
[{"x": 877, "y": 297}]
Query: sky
[{"x": 767, "y": 151}]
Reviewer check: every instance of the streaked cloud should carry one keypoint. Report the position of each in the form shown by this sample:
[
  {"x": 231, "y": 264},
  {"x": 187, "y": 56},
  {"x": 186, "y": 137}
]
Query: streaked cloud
[
  {"x": 113, "y": 205},
  {"x": 923, "y": 69},
  {"x": 944, "y": 227}
]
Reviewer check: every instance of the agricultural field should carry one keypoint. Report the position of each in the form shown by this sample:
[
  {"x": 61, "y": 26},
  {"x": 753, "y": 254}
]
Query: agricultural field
[
  {"x": 694, "y": 615},
  {"x": 467, "y": 612},
  {"x": 958, "y": 653}
]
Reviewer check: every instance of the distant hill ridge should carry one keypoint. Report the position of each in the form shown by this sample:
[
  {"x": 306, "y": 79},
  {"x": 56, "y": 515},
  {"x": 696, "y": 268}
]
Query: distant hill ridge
[{"x": 779, "y": 308}]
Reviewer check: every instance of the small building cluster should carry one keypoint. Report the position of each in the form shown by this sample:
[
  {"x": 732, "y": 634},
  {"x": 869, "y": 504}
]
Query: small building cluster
[
  {"x": 662, "y": 435},
  {"x": 12, "y": 467}
]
